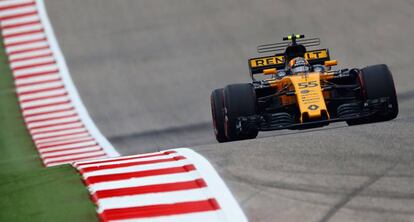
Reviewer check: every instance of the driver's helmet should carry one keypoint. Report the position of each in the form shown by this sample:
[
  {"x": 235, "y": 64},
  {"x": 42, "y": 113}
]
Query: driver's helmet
[{"x": 299, "y": 65}]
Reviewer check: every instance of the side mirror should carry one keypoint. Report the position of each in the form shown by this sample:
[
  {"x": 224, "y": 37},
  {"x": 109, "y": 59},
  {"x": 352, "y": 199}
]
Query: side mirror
[{"x": 330, "y": 63}]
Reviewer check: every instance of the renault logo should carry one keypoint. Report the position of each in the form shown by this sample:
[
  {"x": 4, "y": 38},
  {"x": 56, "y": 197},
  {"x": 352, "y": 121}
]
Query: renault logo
[{"x": 313, "y": 107}]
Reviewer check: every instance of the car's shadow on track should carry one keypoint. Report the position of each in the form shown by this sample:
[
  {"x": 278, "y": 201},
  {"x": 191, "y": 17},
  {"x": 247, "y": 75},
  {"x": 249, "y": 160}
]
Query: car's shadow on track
[{"x": 291, "y": 132}]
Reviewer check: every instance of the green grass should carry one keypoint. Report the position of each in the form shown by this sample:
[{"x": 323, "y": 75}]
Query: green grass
[{"x": 28, "y": 191}]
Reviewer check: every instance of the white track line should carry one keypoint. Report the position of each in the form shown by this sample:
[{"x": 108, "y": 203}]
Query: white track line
[
  {"x": 153, "y": 199},
  {"x": 145, "y": 181},
  {"x": 136, "y": 168}
]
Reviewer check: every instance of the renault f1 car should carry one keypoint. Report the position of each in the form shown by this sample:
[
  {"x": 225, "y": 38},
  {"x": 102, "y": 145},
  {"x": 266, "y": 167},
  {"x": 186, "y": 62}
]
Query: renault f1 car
[{"x": 300, "y": 91}]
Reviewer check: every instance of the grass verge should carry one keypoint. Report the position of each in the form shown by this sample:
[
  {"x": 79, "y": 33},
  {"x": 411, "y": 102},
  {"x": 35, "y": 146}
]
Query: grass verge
[{"x": 28, "y": 191}]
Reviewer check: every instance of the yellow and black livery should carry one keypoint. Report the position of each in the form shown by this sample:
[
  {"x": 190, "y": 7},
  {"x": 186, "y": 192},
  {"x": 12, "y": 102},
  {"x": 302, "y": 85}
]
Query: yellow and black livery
[{"x": 301, "y": 100}]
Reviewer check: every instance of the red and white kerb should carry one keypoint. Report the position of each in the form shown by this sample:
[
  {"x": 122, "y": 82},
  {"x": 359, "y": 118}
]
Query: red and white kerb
[
  {"x": 175, "y": 185},
  {"x": 53, "y": 114}
]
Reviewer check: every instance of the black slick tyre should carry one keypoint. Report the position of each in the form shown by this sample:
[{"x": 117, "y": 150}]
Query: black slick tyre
[
  {"x": 239, "y": 101},
  {"x": 377, "y": 82},
  {"x": 217, "y": 112}
]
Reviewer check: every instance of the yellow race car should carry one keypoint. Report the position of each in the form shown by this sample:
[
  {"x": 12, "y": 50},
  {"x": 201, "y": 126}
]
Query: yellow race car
[{"x": 298, "y": 90}]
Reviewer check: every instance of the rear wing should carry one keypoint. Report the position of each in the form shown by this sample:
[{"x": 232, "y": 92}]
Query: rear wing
[{"x": 257, "y": 65}]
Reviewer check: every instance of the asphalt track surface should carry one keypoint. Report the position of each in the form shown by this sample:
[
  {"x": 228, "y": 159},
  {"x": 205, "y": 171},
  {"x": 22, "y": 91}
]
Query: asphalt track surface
[{"x": 145, "y": 70}]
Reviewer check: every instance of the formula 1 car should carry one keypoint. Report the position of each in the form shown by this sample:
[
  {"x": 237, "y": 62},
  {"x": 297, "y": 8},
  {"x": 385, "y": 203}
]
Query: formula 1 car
[{"x": 299, "y": 90}]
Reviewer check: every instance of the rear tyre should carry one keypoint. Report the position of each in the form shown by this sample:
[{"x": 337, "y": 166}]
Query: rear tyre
[
  {"x": 217, "y": 112},
  {"x": 239, "y": 101},
  {"x": 377, "y": 82}
]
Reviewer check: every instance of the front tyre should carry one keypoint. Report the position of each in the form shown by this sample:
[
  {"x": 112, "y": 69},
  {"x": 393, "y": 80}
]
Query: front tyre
[
  {"x": 239, "y": 101},
  {"x": 217, "y": 112},
  {"x": 377, "y": 82}
]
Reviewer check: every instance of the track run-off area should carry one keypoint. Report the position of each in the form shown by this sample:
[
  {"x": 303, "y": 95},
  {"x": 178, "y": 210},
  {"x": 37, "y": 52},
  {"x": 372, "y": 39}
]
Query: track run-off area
[
  {"x": 40, "y": 110},
  {"x": 145, "y": 70}
]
